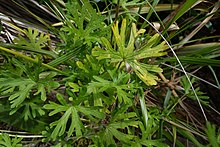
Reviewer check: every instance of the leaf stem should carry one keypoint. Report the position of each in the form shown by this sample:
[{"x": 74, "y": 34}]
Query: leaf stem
[{"x": 18, "y": 54}]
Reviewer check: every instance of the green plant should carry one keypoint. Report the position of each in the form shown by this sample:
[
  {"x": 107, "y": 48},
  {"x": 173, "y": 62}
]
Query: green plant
[
  {"x": 129, "y": 55},
  {"x": 213, "y": 135},
  {"x": 100, "y": 78},
  {"x": 6, "y": 141}
]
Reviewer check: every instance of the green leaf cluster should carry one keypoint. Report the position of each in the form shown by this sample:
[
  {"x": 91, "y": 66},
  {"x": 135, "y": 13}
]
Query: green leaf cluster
[
  {"x": 27, "y": 89},
  {"x": 94, "y": 82},
  {"x": 126, "y": 54},
  {"x": 70, "y": 112},
  {"x": 82, "y": 25},
  {"x": 7, "y": 141}
]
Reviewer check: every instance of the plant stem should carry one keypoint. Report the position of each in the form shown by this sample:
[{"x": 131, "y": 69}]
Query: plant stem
[{"x": 30, "y": 59}]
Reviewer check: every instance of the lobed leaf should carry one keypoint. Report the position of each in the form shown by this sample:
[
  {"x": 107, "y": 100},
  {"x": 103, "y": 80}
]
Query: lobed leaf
[
  {"x": 127, "y": 55},
  {"x": 17, "y": 98}
]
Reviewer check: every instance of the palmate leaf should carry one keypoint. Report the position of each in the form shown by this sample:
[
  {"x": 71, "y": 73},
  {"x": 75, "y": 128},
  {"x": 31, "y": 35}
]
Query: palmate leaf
[
  {"x": 112, "y": 131},
  {"x": 6, "y": 141},
  {"x": 35, "y": 125},
  {"x": 60, "y": 128},
  {"x": 129, "y": 55},
  {"x": 30, "y": 109},
  {"x": 33, "y": 41},
  {"x": 23, "y": 91},
  {"x": 119, "y": 125},
  {"x": 126, "y": 138},
  {"x": 24, "y": 85},
  {"x": 15, "y": 82},
  {"x": 61, "y": 124},
  {"x": 70, "y": 112},
  {"x": 87, "y": 27},
  {"x": 17, "y": 98}
]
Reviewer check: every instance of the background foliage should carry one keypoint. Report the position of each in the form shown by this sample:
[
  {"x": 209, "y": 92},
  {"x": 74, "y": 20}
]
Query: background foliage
[{"x": 109, "y": 73}]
